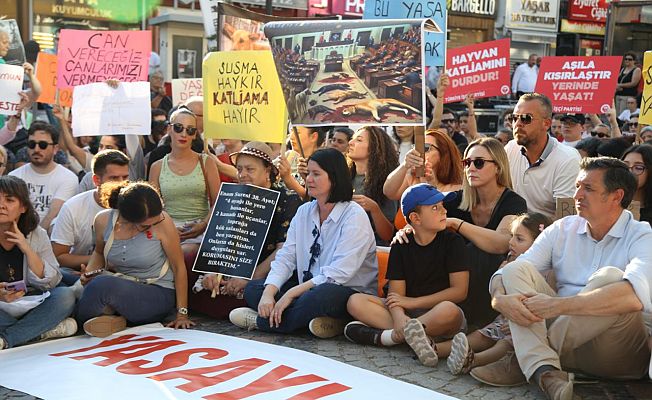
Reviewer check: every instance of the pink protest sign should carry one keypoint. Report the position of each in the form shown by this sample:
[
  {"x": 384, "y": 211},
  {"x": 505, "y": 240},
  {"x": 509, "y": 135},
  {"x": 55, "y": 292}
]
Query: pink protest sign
[{"x": 95, "y": 56}]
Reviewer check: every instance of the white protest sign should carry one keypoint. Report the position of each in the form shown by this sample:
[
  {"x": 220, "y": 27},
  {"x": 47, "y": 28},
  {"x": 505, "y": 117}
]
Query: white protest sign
[
  {"x": 98, "y": 109},
  {"x": 183, "y": 89},
  {"x": 11, "y": 82},
  {"x": 152, "y": 362}
]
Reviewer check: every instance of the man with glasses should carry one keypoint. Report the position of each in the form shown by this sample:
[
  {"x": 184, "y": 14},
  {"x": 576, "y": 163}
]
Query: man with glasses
[
  {"x": 632, "y": 126},
  {"x": 572, "y": 126},
  {"x": 49, "y": 183},
  {"x": 601, "y": 131},
  {"x": 450, "y": 123},
  {"x": 542, "y": 169},
  {"x": 632, "y": 108}
]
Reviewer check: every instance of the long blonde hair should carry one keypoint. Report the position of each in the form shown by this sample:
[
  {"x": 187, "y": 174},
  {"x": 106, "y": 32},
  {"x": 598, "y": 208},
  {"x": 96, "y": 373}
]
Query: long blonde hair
[{"x": 504, "y": 179}]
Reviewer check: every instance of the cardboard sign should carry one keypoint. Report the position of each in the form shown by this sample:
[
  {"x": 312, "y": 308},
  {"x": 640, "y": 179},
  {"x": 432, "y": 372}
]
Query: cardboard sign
[
  {"x": 16, "y": 53},
  {"x": 183, "y": 89},
  {"x": 98, "y": 109},
  {"x": 237, "y": 230},
  {"x": 646, "y": 101},
  {"x": 11, "y": 82},
  {"x": 243, "y": 97},
  {"x": 95, "y": 56},
  {"x": 566, "y": 207},
  {"x": 434, "y": 42},
  {"x": 481, "y": 69},
  {"x": 579, "y": 84},
  {"x": 46, "y": 73}
]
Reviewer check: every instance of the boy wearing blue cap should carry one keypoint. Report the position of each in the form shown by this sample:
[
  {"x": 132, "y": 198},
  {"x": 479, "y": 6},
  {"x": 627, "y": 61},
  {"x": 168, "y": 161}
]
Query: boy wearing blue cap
[{"x": 427, "y": 277}]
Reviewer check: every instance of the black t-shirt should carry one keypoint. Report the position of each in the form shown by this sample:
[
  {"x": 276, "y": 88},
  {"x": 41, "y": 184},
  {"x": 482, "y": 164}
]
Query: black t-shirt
[
  {"x": 509, "y": 203},
  {"x": 11, "y": 265},
  {"x": 425, "y": 269},
  {"x": 460, "y": 141}
]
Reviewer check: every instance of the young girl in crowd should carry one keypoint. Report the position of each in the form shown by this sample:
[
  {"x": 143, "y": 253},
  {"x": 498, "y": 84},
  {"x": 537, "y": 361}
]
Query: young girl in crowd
[
  {"x": 639, "y": 160},
  {"x": 493, "y": 342}
]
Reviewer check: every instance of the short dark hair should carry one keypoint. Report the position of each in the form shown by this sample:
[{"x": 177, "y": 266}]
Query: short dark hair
[
  {"x": 16, "y": 187},
  {"x": 614, "y": 147},
  {"x": 45, "y": 127},
  {"x": 105, "y": 158},
  {"x": 334, "y": 163},
  {"x": 120, "y": 141},
  {"x": 589, "y": 145},
  {"x": 347, "y": 131},
  {"x": 321, "y": 134},
  {"x": 645, "y": 150},
  {"x": 616, "y": 176},
  {"x": 157, "y": 112},
  {"x": 545, "y": 102},
  {"x": 449, "y": 111},
  {"x": 135, "y": 201}
]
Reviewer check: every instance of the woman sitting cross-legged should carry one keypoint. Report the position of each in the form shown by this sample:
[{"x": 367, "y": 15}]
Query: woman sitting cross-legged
[
  {"x": 26, "y": 257},
  {"x": 329, "y": 254},
  {"x": 139, "y": 241}
]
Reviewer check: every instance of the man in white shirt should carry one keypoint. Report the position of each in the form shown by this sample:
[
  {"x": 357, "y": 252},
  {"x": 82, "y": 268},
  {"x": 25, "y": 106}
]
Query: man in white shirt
[
  {"x": 542, "y": 169},
  {"x": 630, "y": 110},
  {"x": 525, "y": 77},
  {"x": 593, "y": 318},
  {"x": 572, "y": 126},
  {"x": 49, "y": 183},
  {"x": 72, "y": 237}
]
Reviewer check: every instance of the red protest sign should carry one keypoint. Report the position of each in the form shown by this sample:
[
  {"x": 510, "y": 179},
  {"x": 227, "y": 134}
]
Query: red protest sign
[
  {"x": 481, "y": 69},
  {"x": 579, "y": 84},
  {"x": 95, "y": 56}
]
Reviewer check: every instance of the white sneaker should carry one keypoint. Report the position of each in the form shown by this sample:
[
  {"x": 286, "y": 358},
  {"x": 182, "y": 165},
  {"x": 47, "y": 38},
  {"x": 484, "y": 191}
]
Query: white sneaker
[
  {"x": 244, "y": 317},
  {"x": 65, "y": 328},
  {"x": 326, "y": 327},
  {"x": 3, "y": 344},
  {"x": 417, "y": 339}
]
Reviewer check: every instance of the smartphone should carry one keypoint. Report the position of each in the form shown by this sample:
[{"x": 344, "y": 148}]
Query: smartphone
[
  {"x": 91, "y": 274},
  {"x": 16, "y": 286}
]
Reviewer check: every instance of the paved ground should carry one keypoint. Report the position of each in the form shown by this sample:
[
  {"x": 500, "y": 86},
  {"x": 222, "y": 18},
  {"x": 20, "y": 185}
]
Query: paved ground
[{"x": 399, "y": 364}]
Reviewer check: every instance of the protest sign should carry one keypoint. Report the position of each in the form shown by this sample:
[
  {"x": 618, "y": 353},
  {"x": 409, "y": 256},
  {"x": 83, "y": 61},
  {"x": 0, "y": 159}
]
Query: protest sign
[
  {"x": 183, "y": 89},
  {"x": 243, "y": 97},
  {"x": 355, "y": 72},
  {"x": 11, "y": 82},
  {"x": 16, "y": 52},
  {"x": 566, "y": 206},
  {"x": 99, "y": 109},
  {"x": 46, "y": 73},
  {"x": 646, "y": 101},
  {"x": 153, "y": 362},
  {"x": 434, "y": 42},
  {"x": 236, "y": 232},
  {"x": 95, "y": 56},
  {"x": 480, "y": 69},
  {"x": 579, "y": 84}
]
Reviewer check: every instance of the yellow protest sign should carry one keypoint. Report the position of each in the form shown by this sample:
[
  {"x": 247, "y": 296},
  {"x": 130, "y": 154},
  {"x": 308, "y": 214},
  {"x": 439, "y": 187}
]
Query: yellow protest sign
[
  {"x": 243, "y": 98},
  {"x": 646, "y": 103}
]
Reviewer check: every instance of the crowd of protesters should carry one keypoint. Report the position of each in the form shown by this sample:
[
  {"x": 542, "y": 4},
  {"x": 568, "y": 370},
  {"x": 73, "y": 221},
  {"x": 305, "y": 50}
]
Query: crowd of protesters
[{"x": 109, "y": 227}]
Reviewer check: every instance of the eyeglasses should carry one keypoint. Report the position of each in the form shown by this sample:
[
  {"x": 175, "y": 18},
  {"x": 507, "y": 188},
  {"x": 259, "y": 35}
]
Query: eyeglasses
[
  {"x": 42, "y": 144},
  {"x": 178, "y": 128},
  {"x": 478, "y": 163},
  {"x": 448, "y": 121},
  {"x": 159, "y": 124},
  {"x": 637, "y": 169},
  {"x": 428, "y": 146},
  {"x": 628, "y": 59},
  {"x": 599, "y": 134},
  {"x": 526, "y": 119},
  {"x": 143, "y": 228}
]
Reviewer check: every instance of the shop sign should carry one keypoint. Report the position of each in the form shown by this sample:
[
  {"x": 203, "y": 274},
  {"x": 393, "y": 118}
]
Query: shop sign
[
  {"x": 585, "y": 28},
  {"x": 90, "y": 9},
  {"x": 540, "y": 15},
  {"x": 354, "y": 8},
  {"x": 474, "y": 8},
  {"x": 588, "y": 10},
  {"x": 294, "y": 4}
]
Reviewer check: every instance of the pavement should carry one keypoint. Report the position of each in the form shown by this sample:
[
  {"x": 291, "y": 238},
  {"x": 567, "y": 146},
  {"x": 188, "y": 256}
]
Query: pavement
[{"x": 399, "y": 363}]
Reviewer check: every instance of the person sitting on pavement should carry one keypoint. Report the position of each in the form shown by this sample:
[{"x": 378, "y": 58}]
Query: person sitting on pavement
[
  {"x": 329, "y": 255},
  {"x": 639, "y": 160},
  {"x": 427, "y": 277},
  {"x": 72, "y": 235},
  {"x": 26, "y": 258},
  {"x": 593, "y": 320}
]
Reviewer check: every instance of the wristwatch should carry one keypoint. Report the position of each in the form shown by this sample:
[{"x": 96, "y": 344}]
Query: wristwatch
[{"x": 182, "y": 310}]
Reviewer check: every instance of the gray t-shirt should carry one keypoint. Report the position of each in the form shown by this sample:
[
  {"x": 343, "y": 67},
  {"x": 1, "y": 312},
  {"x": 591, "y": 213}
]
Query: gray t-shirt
[{"x": 388, "y": 207}]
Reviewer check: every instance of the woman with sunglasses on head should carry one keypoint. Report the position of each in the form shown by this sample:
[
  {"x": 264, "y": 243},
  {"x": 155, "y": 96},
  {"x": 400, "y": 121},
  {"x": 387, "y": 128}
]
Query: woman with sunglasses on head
[
  {"x": 639, "y": 160},
  {"x": 329, "y": 254},
  {"x": 138, "y": 241},
  {"x": 188, "y": 181},
  {"x": 628, "y": 79}
]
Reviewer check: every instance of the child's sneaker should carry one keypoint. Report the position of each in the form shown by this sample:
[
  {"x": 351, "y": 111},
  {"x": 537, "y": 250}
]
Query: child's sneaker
[
  {"x": 359, "y": 333},
  {"x": 65, "y": 328},
  {"x": 105, "y": 325},
  {"x": 326, "y": 327},
  {"x": 461, "y": 357},
  {"x": 418, "y": 340}
]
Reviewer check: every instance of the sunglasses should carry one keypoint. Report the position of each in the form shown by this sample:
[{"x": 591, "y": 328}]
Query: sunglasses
[
  {"x": 629, "y": 59},
  {"x": 42, "y": 144},
  {"x": 526, "y": 119},
  {"x": 159, "y": 124},
  {"x": 427, "y": 147},
  {"x": 178, "y": 128},
  {"x": 634, "y": 124},
  {"x": 599, "y": 134},
  {"x": 478, "y": 163},
  {"x": 448, "y": 121}
]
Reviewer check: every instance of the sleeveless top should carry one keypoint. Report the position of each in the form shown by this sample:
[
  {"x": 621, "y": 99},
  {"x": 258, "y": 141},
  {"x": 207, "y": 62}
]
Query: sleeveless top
[
  {"x": 184, "y": 196},
  {"x": 139, "y": 256},
  {"x": 626, "y": 78}
]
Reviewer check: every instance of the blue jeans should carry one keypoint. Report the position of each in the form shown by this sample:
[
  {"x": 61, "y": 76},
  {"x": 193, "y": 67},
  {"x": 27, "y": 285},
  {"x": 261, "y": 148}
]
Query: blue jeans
[
  {"x": 69, "y": 277},
  {"x": 139, "y": 303},
  {"x": 47, "y": 315},
  {"x": 325, "y": 300}
]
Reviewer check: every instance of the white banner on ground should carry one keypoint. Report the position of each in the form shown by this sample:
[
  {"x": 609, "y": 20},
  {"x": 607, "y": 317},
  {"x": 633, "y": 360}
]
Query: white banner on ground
[
  {"x": 98, "y": 109},
  {"x": 183, "y": 89},
  {"x": 152, "y": 362}
]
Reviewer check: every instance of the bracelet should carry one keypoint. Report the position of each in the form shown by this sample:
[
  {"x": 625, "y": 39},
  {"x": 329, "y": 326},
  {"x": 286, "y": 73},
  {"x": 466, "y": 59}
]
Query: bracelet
[{"x": 459, "y": 226}]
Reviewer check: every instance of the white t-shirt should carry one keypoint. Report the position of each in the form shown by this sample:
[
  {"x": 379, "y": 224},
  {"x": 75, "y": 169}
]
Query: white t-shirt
[
  {"x": 74, "y": 225},
  {"x": 60, "y": 183},
  {"x": 625, "y": 115}
]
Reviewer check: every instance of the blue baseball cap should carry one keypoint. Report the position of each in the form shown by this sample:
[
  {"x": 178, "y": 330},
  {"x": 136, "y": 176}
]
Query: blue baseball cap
[{"x": 423, "y": 194}]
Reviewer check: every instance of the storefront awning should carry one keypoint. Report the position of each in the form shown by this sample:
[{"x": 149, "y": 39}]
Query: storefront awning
[{"x": 522, "y": 35}]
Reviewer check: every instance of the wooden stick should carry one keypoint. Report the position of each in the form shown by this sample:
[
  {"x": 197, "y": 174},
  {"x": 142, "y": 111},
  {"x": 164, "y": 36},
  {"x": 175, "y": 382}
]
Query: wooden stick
[
  {"x": 296, "y": 135},
  {"x": 216, "y": 288}
]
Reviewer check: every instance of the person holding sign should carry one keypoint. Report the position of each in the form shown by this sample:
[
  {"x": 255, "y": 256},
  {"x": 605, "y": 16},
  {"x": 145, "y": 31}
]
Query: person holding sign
[
  {"x": 27, "y": 265},
  {"x": 139, "y": 241},
  {"x": 188, "y": 181},
  {"x": 329, "y": 255},
  {"x": 639, "y": 160}
]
